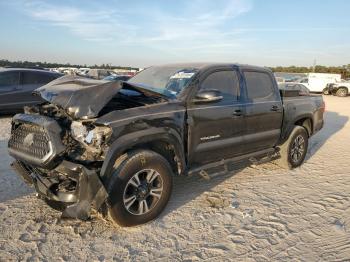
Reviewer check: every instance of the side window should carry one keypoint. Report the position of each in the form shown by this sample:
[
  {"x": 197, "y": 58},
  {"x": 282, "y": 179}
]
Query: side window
[
  {"x": 225, "y": 81},
  {"x": 32, "y": 78},
  {"x": 304, "y": 81},
  {"x": 8, "y": 79},
  {"x": 259, "y": 86}
]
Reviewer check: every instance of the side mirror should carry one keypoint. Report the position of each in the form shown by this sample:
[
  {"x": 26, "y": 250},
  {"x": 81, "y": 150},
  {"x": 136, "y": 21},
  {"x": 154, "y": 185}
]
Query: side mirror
[{"x": 208, "y": 96}]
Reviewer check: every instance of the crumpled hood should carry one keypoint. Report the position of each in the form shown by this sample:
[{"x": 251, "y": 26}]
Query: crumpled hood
[{"x": 81, "y": 97}]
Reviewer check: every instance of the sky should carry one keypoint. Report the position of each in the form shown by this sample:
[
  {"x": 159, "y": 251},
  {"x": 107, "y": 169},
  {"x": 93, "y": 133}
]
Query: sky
[{"x": 143, "y": 33}]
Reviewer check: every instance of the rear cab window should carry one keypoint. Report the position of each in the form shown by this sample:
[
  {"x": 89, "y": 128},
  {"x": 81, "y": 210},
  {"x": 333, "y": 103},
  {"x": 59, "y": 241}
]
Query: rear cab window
[{"x": 260, "y": 86}]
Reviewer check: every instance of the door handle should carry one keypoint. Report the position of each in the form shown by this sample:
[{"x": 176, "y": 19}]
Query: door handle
[
  {"x": 274, "y": 108},
  {"x": 237, "y": 112}
]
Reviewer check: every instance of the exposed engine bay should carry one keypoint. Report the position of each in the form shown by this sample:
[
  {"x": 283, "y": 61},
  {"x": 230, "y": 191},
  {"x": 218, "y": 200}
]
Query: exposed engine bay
[{"x": 85, "y": 142}]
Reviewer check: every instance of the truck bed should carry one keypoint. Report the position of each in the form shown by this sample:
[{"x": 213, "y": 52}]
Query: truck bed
[{"x": 301, "y": 107}]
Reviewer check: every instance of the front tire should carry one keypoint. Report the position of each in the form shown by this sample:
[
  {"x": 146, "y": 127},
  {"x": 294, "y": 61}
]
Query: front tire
[
  {"x": 325, "y": 91},
  {"x": 293, "y": 151},
  {"x": 140, "y": 188}
]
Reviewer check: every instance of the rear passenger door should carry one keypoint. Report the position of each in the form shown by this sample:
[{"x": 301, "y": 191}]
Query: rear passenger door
[
  {"x": 263, "y": 111},
  {"x": 215, "y": 128}
]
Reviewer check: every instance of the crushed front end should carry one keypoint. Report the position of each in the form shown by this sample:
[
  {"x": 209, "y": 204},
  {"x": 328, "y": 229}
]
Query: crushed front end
[
  {"x": 64, "y": 172},
  {"x": 60, "y": 145}
]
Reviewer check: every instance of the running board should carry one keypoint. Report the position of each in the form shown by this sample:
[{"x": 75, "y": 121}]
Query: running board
[{"x": 258, "y": 157}]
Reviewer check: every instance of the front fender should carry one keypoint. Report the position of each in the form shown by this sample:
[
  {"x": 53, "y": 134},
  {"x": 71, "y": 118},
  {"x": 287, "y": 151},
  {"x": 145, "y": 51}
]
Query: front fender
[{"x": 123, "y": 143}]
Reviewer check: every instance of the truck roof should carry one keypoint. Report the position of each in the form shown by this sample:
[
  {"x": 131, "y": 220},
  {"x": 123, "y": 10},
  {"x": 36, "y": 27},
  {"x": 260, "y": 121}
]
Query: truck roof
[{"x": 208, "y": 65}]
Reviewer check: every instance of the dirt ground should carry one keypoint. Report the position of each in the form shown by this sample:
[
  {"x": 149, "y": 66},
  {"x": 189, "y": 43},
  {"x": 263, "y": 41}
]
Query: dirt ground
[{"x": 257, "y": 213}]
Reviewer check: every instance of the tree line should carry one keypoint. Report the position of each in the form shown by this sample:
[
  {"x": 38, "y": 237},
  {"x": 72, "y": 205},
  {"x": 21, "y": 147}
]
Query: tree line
[
  {"x": 7, "y": 63},
  {"x": 343, "y": 70}
]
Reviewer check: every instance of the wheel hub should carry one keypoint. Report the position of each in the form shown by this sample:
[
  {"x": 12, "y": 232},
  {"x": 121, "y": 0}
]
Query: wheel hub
[
  {"x": 143, "y": 191},
  {"x": 297, "y": 149}
]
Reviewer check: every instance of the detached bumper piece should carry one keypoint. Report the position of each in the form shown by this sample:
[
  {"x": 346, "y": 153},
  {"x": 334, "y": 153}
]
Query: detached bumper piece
[{"x": 70, "y": 185}]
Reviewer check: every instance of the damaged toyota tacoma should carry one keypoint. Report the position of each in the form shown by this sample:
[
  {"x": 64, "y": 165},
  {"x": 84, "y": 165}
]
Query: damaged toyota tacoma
[{"x": 114, "y": 147}]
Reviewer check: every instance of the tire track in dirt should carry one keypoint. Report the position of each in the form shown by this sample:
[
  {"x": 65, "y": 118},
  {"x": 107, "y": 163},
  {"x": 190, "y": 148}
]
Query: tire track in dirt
[{"x": 257, "y": 213}]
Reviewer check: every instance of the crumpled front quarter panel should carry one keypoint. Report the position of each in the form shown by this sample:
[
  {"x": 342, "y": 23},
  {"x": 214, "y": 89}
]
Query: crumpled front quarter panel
[{"x": 169, "y": 115}]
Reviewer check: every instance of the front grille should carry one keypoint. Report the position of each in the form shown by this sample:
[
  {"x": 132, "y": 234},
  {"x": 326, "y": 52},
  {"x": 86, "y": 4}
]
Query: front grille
[{"x": 30, "y": 140}]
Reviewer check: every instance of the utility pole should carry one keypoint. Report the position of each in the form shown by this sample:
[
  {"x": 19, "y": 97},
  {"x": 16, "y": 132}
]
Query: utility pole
[{"x": 314, "y": 67}]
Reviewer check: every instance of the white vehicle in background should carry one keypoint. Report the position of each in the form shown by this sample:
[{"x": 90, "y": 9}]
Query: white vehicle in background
[
  {"x": 317, "y": 82},
  {"x": 341, "y": 88},
  {"x": 83, "y": 71}
]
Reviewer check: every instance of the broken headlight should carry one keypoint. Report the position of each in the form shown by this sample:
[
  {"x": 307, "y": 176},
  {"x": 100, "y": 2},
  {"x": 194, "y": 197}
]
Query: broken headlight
[
  {"x": 91, "y": 136},
  {"x": 78, "y": 130}
]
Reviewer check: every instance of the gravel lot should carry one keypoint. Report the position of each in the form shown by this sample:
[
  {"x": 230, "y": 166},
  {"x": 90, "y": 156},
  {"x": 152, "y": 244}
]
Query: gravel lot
[{"x": 258, "y": 213}]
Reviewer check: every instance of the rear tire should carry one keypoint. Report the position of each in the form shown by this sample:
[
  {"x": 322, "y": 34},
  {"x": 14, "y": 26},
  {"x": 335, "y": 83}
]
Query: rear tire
[
  {"x": 342, "y": 92},
  {"x": 140, "y": 188},
  {"x": 293, "y": 151}
]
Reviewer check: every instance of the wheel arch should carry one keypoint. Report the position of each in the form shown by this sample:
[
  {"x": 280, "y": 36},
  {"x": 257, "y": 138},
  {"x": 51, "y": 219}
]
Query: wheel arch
[
  {"x": 305, "y": 121},
  {"x": 345, "y": 87},
  {"x": 164, "y": 141}
]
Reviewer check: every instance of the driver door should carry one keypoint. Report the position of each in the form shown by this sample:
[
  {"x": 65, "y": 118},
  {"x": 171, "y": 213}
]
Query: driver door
[{"x": 216, "y": 127}]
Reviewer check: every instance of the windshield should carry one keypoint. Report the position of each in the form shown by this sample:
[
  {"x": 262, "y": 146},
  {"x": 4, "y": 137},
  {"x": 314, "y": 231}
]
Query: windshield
[{"x": 169, "y": 81}]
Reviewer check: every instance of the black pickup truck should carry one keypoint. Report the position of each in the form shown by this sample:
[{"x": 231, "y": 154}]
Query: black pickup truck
[{"x": 114, "y": 146}]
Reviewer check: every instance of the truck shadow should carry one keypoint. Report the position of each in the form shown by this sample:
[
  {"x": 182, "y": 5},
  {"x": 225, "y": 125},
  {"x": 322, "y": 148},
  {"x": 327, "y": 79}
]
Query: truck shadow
[
  {"x": 189, "y": 188},
  {"x": 334, "y": 122}
]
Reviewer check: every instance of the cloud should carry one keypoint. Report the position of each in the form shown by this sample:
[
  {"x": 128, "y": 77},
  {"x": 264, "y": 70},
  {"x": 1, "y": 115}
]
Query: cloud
[
  {"x": 93, "y": 25},
  {"x": 198, "y": 19},
  {"x": 195, "y": 20},
  {"x": 181, "y": 30},
  {"x": 197, "y": 29}
]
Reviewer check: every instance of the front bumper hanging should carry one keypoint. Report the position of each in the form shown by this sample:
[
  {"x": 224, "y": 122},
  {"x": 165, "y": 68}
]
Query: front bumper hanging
[{"x": 88, "y": 192}]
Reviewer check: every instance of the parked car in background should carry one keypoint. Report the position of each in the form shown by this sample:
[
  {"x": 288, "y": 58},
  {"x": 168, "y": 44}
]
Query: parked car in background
[
  {"x": 317, "y": 82},
  {"x": 280, "y": 79},
  {"x": 17, "y": 85},
  {"x": 99, "y": 73},
  {"x": 338, "y": 89},
  {"x": 289, "y": 77},
  {"x": 300, "y": 88},
  {"x": 82, "y": 71},
  {"x": 117, "y": 77}
]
